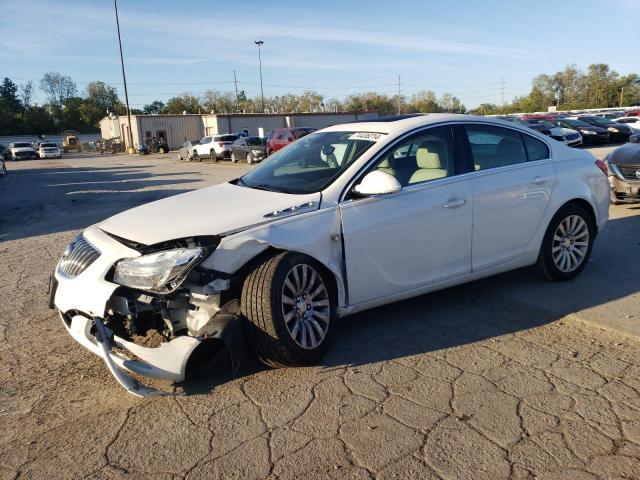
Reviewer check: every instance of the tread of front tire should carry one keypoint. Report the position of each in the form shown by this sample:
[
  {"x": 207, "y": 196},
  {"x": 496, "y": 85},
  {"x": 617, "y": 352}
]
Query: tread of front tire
[{"x": 257, "y": 307}]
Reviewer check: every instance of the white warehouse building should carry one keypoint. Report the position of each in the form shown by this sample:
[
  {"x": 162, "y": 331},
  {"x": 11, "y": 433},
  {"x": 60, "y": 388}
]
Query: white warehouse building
[{"x": 176, "y": 129}]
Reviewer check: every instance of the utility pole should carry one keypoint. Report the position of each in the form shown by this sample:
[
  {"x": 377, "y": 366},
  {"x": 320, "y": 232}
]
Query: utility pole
[
  {"x": 259, "y": 43},
  {"x": 502, "y": 89},
  {"x": 124, "y": 79},
  {"x": 235, "y": 82},
  {"x": 399, "y": 97},
  {"x": 621, "y": 96}
]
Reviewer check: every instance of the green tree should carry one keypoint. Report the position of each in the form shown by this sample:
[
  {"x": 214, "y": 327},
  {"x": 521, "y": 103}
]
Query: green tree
[
  {"x": 183, "y": 103},
  {"x": 99, "y": 100},
  {"x": 154, "y": 108},
  {"x": 423, "y": 102}
]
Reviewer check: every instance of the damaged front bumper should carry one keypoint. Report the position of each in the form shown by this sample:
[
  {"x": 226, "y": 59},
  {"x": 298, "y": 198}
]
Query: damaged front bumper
[{"x": 86, "y": 302}]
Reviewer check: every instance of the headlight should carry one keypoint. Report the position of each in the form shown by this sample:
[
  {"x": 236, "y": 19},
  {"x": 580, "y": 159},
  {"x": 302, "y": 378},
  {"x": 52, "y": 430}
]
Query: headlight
[
  {"x": 589, "y": 132},
  {"x": 612, "y": 129},
  {"x": 160, "y": 272},
  {"x": 256, "y": 152}
]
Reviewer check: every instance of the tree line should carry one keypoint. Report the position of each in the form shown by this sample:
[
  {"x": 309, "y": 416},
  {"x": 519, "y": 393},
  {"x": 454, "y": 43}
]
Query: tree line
[{"x": 68, "y": 108}]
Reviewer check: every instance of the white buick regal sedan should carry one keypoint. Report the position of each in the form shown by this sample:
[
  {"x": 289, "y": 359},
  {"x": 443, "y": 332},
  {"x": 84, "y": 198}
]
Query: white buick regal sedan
[{"x": 345, "y": 219}]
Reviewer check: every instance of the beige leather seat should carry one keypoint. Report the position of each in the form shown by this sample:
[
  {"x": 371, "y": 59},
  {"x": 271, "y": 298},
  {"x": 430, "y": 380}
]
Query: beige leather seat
[{"x": 429, "y": 157}]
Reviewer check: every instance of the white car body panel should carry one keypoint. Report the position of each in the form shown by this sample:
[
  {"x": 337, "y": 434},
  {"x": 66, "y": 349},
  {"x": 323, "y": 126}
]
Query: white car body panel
[
  {"x": 399, "y": 242},
  {"x": 379, "y": 249},
  {"x": 214, "y": 210}
]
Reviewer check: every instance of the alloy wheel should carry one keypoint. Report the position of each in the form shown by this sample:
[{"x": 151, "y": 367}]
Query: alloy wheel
[
  {"x": 305, "y": 306},
  {"x": 570, "y": 243}
]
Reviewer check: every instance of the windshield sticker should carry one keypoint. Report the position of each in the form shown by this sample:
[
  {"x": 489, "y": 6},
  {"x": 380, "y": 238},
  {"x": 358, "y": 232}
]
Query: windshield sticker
[{"x": 371, "y": 136}]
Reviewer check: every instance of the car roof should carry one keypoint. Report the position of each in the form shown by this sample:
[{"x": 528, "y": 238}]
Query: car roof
[{"x": 408, "y": 122}]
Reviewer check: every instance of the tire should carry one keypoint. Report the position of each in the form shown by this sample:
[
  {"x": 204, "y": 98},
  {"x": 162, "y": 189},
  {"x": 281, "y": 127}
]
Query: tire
[
  {"x": 563, "y": 256},
  {"x": 195, "y": 157},
  {"x": 212, "y": 156},
  {"x": 233, "y": 158},
  {"x": 249, "y": 159},
  {"x": 279, "y": 343},
  {"x": 161, "y": 150}
]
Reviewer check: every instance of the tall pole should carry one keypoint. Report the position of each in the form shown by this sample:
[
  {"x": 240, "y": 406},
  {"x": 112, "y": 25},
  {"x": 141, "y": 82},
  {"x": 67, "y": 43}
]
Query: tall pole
[
  {"x": 621, "y": 95},
  {"x": 260, "y": 43},
  {"x": 235, "y": 81},
  {"x": 399, "y": 97},
  {"x": 124, "y": 78}
]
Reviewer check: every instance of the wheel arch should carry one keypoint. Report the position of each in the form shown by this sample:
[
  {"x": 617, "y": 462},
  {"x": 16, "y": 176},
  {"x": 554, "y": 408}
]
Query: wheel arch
[{"x": 584, "y": 204}]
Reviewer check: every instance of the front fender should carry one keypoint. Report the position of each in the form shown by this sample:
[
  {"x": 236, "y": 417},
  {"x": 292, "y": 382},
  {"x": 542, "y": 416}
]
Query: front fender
[{"x": 316, "y": 234}]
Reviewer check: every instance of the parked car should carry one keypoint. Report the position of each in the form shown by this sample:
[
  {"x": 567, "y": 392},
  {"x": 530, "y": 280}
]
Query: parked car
[
  {"x": 186, "y": 150},
  {"x": 591, "y": 135},
  {"x": 3, "y": 167},
  {"x": 21, "y": 151},
  {"x": 568, "y": 136},
  {"x": 624, "y": 173},
  {"x": 251, "y": 149},
  {"x": 281, "y": 137},
  {"x": 3, "y": 152},
  {"x": 215, "y": 147},
  {"x": 632, "y": 122},
  {"x": 617, "y": 132},
  {"x": 610, "y": 115},
  {"x": 345, "y": 219},
  {"x": 632, "y": 113},
  {"x": 48, "y": 150}
]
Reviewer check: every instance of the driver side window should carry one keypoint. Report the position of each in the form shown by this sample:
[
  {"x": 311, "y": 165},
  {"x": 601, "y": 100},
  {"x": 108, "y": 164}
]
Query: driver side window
[{"x": 425, "y": 156}]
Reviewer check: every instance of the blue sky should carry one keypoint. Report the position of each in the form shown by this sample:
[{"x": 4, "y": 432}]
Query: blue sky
[{"x": 334, "y": 47}]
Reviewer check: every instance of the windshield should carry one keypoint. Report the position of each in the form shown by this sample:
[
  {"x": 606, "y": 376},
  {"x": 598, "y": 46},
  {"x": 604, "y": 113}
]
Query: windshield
[
  {"x": 576, "y": 123},
  {"x": 600, "y": 120},
  {"x": 48, "y": 145},
  {"x": 310, "y": 164},
  {"x": 255, "y": 141},
  {"x": 545, "y": 124},
  {"x": 21, "y": 145}
]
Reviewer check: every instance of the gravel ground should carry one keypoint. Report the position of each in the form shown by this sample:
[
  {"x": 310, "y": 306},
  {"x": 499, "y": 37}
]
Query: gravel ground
[{"x": 509, "y": 377}]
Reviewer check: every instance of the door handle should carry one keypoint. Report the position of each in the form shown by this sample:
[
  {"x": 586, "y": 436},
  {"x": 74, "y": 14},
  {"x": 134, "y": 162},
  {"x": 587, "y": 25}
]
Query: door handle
[
  {"x": 455, "y": 203},
  {"x": 539, "y": 180}
]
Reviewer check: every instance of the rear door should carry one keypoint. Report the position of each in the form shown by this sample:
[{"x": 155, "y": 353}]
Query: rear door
[{"x": 512, "y": 184}]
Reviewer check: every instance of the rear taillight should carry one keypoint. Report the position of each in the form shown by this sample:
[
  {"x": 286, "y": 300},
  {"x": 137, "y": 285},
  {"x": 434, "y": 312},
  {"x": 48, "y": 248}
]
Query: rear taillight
[
  {"x": 602, "y": 166},
  {"x": 221, "y": 144}
]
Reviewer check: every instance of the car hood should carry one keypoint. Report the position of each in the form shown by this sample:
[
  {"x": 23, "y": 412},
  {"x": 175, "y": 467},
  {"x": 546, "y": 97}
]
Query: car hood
[
  {"x": 628, "y": 154},
  {"x": 217, "y": 210},
  {"x": 562, "y": 131}
]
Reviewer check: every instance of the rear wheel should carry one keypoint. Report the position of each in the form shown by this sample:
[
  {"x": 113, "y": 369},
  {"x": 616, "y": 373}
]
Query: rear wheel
[
  {"x": 161, "y": 150},
  {"x": 567, "y": 244},
  {"x": 289, "y": 302},
  {"x": 212, "y": 156}
]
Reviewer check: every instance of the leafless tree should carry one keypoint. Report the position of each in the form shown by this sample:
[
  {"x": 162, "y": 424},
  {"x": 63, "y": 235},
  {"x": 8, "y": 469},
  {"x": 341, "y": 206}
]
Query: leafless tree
[
  {"x": 26, "y": 93},
  {"x": 58, "y": 88}
]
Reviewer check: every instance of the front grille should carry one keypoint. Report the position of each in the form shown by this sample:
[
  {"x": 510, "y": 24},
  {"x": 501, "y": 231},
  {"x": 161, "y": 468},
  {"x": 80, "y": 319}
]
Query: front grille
[
  {"x": 22, "y": 154},
  {"x": 629, "y": 171},
  {"x": 77, "y": 258},
  {"x": 572, "y": 136}
]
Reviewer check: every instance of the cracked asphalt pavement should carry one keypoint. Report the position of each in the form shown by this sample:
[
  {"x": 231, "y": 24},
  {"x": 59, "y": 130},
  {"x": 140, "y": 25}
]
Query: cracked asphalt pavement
[{"x": 508, "y": 377}]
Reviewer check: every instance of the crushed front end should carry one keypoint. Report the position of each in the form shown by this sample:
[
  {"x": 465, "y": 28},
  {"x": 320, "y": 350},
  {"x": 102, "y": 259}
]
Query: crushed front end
[{"x": 149, "y": 310}]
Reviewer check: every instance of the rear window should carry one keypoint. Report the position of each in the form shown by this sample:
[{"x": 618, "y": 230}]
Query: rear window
[{"x": 227, "y": 138}]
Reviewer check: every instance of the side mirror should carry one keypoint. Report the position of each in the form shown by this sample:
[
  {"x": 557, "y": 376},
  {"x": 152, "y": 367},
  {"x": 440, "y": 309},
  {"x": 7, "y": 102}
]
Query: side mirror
[{"x": 377, "y": 183}]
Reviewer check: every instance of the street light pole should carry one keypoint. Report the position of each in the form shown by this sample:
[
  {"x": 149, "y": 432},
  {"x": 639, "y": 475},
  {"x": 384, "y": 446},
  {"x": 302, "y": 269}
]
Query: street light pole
[
  {"x": 124, "y": 78},
  {"x": 259, "y": 43}
]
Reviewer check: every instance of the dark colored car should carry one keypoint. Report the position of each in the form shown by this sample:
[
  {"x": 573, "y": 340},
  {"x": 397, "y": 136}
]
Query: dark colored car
[
  {"x": 251, "y": 149},
  {"x": 281, "y": 137},
  {"x": 591, "y": 135},
  {"x": 153, "y": 145},
  {"x": 3, "y": 152},
  {"x": 618, "y": 132}
]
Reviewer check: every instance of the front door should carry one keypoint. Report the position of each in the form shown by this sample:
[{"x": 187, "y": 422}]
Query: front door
[
  {"x": 511, "y": 191},
  {"x": 421, "y": 235}
]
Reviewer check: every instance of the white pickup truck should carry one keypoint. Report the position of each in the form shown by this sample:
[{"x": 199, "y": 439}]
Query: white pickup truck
[
  {"x": 214, "y": 147},
  {"x": 21, "y": 151}
]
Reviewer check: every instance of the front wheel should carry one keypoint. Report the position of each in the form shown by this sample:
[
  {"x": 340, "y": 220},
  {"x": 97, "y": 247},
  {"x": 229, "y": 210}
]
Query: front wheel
[
  {"x": 161, "y": 150},
  {"x": 233, "y": 158},
  {"x": 567, "y": 244},
  {"x": 195, "y": 157},
  {"x": 249, "y": 159},
  {"x": 289, "y": 302}
]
